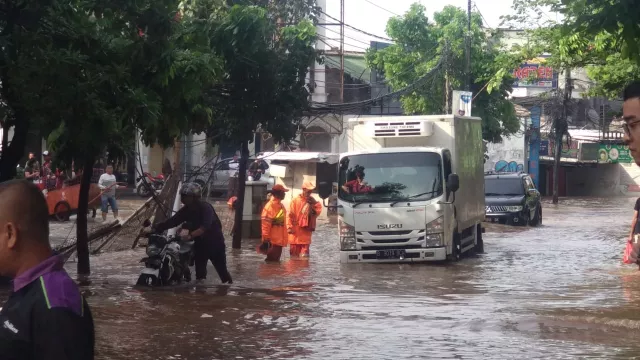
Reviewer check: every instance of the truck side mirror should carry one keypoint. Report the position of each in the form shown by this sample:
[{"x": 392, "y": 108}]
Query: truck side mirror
[
  {"x": 324, "y": 190},
  {"x": 453, "y": 182}
]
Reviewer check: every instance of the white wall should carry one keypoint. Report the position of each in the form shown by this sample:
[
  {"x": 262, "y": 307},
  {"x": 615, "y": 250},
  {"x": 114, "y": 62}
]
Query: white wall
[
  {"x": 604, "y": 180},
  {"x": 510, "y": 151}
]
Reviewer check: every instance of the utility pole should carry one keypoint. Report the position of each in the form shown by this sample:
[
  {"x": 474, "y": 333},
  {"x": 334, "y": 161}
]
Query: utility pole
[
  {"x": 560, "y": 129},
  {"x": 468, "y": 47},
  {"x": 341, "y": 51}
]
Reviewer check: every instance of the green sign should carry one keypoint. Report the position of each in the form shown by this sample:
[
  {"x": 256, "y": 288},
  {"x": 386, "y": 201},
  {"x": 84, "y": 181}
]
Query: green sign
[
  {"x": 614, "y": 154},
  {"x": 589, "y": 151}
]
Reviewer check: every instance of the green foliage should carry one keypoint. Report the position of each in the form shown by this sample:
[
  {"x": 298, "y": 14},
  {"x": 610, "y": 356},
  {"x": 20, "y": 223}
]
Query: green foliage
[
  {"x": 610, "y": 79},
  {"x": 265, "y": 65},
  {"x": 419, "y": 43},
  {"x": 617, "y": 19},
  {"x": 600, "y": 36}
]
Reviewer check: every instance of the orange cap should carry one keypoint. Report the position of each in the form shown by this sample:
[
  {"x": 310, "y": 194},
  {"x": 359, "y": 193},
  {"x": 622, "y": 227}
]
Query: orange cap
[
  {"x": 308, "y": 185},
  {"x": 279, "y": 187}
]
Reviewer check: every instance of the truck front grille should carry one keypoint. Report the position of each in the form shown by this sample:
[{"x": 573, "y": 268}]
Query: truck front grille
[
  {"x": 390, "y": 241},
  {"x": 388, "y": 233}
]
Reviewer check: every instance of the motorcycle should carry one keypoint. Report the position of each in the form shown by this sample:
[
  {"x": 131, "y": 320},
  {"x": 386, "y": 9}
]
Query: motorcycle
[
  {"x": 168, "y": 259},
  {"x": 147, "y": 182}
]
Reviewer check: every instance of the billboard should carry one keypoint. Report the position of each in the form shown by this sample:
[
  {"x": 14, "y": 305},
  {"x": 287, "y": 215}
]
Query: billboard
[
  {"x": 535, "y": 74},
  {"x": 614, "y": 154}
]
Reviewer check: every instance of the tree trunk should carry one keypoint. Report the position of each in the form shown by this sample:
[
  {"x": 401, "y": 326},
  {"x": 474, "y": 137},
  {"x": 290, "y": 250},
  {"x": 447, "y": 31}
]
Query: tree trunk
[
  {"x": 82, "y": 233},
  {"x": 13, "y": 152},
  {"x": 242, "y": 180},
  {"x": 557, "y": 152}
]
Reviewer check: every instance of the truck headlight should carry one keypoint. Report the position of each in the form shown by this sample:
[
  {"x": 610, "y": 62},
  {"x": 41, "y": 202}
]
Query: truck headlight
[
  {"x": 347, "y": 236},
  {"x": 433, "y": 240},
  {"x": 436, "y": 226},
  {"x": 513, "y": 208}
]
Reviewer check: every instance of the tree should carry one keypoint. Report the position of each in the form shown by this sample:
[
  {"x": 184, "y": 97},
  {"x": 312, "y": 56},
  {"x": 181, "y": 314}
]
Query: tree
[
  {"x": 566, "y": 51},
  {"x": 266, "y": 59},
  {"x": 617, "y": 19},
  {"x": 119, "y": 67},
  {"x": 419, "y": 44}
]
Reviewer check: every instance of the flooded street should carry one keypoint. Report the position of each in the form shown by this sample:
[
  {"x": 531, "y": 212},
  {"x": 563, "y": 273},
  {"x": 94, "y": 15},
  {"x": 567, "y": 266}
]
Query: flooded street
[{"x": 557, "y": 291}]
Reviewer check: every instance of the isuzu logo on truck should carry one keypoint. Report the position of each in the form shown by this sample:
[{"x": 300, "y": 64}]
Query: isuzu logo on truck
[{"x": 389, "y": 226}]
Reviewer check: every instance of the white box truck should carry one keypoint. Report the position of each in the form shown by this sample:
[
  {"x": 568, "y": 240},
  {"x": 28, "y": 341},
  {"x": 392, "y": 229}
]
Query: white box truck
[{"x": 410, "y": 189}]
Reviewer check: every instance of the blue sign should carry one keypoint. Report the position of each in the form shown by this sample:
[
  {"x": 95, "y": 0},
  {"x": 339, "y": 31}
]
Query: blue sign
[
  {"x": 544, "y": 148},
  {"x": 534, "y": 146}
]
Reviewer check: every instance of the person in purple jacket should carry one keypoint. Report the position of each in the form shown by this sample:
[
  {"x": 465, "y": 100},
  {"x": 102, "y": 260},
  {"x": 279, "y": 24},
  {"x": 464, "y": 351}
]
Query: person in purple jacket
[{"x": 46, "y": 316}]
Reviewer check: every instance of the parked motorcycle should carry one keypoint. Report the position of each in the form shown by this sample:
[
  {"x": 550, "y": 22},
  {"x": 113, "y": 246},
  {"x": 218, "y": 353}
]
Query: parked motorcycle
[
  {"x": 147, "y": 183},
  {"x": 167, "y": 262}
]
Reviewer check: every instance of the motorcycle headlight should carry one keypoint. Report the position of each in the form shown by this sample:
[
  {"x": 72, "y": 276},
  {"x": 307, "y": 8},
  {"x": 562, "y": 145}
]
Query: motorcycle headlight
[
  {"x": 513, "y": 208},
  {"x": 153, "y": 250},
  {"x": 347, "y": 236}
]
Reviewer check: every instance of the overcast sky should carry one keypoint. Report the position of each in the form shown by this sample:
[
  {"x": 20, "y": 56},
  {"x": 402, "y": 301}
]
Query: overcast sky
[{"x": 372, "y": 16}]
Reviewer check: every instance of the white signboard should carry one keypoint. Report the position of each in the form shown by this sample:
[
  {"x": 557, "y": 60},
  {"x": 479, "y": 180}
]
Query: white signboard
[{"x": 461, "y": 104}]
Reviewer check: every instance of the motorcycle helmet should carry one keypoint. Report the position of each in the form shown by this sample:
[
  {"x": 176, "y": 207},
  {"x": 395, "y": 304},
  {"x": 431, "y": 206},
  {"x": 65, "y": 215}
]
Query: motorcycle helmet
[{"x": 191, "y": 189}]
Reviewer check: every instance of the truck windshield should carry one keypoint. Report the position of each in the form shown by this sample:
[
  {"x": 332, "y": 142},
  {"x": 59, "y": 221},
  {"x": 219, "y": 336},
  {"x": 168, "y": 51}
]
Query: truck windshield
[
  {"x": 389, "y": 177},
  {"x": 503, "y": 187}
]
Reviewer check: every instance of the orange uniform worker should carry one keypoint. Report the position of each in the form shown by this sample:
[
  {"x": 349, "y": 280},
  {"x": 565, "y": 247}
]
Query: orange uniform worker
[
  {"x": 303, "y": 213},
  {"x": 274, "y": 227}
]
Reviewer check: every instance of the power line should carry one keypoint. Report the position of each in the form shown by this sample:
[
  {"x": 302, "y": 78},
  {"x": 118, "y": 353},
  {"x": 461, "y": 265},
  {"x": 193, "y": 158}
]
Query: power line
[
  {"x": 348, "y": 37},
  {"x": 380, "y": 7},
  {"x": 475, "y": 5},
  {"x": 332, "y": 39},
  {"x": 355, "y": 28},
  {"x": 320, "y": 108}
]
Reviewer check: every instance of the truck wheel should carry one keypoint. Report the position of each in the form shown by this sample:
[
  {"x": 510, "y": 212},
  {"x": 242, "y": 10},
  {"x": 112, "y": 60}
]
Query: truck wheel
[
  {"x": 62, "y": 211},
  {"x": 456, "y": 248},
  {"x": 537, "y": 218},
  {"x": 479, "y": 248}
]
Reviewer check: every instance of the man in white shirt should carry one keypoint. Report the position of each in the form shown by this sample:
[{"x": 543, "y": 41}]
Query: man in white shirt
[{"x": 107, "y": 183}]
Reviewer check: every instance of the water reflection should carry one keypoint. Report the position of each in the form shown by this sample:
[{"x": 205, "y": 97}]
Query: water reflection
[{"x": 557, "y": 291}]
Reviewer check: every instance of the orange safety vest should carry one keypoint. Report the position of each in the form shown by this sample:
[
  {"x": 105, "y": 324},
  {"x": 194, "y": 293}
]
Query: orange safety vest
[
  {"x": 274, "y": 218},
  {"x": 301, "y": 215}
]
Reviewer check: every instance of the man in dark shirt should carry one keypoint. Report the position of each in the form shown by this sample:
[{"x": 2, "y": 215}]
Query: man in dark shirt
[
  {"x": 257, "y": 168},
  {"x": 205, "y": 229},
  {"x": 46, "y": 317}
]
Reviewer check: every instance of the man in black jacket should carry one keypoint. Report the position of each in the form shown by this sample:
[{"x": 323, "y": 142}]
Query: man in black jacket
[
  {"x": 205, "y": 229},
  {"x": 46, "y": 316}
]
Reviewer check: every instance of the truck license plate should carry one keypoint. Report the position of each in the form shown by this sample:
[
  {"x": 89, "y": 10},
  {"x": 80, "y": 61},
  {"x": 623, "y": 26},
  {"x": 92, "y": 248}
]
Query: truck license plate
[{"x": 390, "y": 254}]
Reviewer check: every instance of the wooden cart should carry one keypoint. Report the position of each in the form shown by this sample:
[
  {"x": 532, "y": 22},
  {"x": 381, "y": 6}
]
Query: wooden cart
[{"x": 64, "y": 202}]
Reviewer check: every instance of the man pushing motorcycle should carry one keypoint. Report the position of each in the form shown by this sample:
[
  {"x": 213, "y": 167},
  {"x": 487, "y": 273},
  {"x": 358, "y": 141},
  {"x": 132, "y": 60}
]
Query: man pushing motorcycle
[{"x": 204, "y": 228}]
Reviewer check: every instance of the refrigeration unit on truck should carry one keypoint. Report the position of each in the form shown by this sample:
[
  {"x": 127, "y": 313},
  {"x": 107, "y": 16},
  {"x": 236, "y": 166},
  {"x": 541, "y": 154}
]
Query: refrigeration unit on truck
[{"x": 410, "y": 189}]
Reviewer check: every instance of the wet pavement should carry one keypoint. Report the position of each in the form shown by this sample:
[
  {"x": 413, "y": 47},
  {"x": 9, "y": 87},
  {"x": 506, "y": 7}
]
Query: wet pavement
[{"x": 552, "y": 292}]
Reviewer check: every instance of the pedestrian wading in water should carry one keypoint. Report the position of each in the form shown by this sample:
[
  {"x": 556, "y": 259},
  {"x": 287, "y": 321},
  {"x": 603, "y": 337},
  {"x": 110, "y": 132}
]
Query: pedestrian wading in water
[
  {"x": 303, "y": 213},
  {"x": 274, "y": 227}
]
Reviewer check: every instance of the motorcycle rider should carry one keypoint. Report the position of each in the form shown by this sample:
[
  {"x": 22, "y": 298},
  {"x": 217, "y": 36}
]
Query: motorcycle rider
[{"x": 204, "y": 228}]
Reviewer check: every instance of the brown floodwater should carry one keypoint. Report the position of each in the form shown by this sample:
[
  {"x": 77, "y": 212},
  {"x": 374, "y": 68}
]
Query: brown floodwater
[{"x": 552, "y": 292}]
